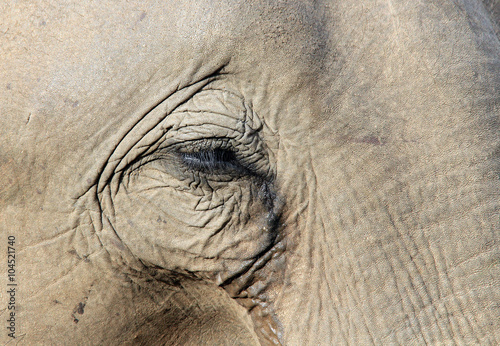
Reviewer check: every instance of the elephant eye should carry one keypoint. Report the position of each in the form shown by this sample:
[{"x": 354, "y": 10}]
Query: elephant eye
[
  {"x": 214, "y": 157},
  {"x": 212, "y": 161}
]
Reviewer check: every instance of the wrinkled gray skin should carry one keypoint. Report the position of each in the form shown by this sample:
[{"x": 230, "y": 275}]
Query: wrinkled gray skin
[{"x": 244, "y": 172}]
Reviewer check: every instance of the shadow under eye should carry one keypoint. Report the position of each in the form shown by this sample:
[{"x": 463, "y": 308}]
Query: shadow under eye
[{"x": 212, "y": 161}]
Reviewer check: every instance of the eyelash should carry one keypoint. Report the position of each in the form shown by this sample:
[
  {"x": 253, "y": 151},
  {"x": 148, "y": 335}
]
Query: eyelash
[{"x": 213, "y": 160}]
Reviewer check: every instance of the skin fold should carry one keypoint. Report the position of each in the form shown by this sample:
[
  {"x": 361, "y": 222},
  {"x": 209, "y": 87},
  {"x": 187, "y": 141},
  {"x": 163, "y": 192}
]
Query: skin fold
[{"x": 251, "y": 172}]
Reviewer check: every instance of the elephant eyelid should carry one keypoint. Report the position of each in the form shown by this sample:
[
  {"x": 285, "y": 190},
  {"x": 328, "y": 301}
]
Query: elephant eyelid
[{"x": 213, "y": 161}]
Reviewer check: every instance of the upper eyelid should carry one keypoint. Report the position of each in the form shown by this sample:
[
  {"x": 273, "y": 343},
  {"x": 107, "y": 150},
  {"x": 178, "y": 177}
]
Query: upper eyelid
[
  {"x": 205, "y": 143},
  {"x": 226, "y": 118},
  {"x": 229, "y": 113},
  {"x": 216, "y": 101},
  {"x": 197, "y": 131}
]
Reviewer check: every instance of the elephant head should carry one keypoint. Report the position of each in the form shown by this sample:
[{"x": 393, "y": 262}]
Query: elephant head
[{"x": 250, "y": 172}]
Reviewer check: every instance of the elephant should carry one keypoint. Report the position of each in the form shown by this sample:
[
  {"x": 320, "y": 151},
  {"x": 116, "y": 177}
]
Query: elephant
[{"x": 250, "y": 172}]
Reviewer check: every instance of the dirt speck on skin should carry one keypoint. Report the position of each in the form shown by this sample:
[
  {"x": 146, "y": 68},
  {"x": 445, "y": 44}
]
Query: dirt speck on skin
[{"x": 80, "y": 307}]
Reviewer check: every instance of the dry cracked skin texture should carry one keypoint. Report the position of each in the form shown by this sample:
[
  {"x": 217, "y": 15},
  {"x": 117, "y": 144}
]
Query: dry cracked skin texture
[{"x": 264, "y": 172}]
